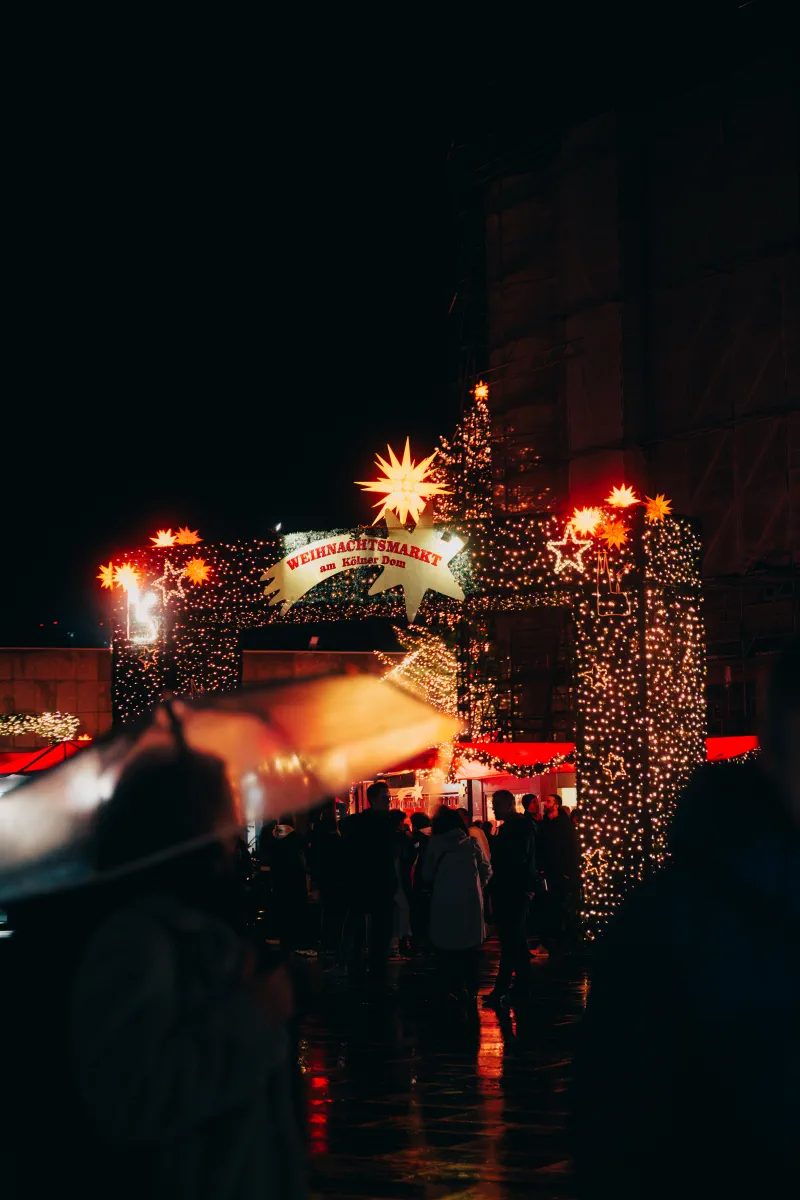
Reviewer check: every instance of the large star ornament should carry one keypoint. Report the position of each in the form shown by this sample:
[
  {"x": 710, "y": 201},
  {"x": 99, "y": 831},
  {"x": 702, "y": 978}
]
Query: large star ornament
[{"x": 415, "y": 577}]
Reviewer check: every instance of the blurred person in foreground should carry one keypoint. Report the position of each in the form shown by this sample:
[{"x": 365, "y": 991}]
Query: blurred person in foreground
[
  {"x": 456, "y": 870},
  {"x": 369, "y": 852},
  {"x": 514, "y": 883},
  {"x": 687, "y": 1078},
  {"x": 151, "y": 1057}
]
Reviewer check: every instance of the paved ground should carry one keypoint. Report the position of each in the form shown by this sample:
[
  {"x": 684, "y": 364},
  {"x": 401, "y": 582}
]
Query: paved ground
[{"x": 397, "y": 1108}]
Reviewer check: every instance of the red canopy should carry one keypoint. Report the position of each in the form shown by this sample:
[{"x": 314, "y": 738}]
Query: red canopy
[
  {"x": 524, "y": 753},
  {"x": 19, "y": 762}
]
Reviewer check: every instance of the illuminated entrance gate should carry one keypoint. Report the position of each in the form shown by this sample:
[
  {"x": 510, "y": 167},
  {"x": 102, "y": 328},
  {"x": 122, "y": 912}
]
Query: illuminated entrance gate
[{"x": 637, "y": 669}]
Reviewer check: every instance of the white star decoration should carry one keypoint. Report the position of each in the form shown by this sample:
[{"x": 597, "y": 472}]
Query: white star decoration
[
  {"x": 597, "y": 676},
  {"x": 564, "y": 560},
  {"x": 614, "y": 772},
  {"x": 163, "y": 583},
  {"x": 414, "y": 580}
]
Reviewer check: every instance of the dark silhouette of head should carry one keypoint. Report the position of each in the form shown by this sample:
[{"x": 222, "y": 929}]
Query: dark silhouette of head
[
  {"x": 464, "y": 817},
  {"x": 420, "y": 820},
  {"x": 397, "y": 818},
  {"x": 504, "y": 806},
  {"x": 378, "y": 796},
  {"x": 446, "y": 820}
]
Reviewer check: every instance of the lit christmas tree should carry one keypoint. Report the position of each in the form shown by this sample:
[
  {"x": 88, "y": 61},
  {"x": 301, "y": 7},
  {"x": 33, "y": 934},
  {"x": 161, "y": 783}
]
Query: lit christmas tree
[
  {"x": 464, "y": 463},
  {"x": 428, "y": 670}
]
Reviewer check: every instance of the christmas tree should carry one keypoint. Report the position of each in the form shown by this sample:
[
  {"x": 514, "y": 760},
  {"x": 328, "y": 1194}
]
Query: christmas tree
[
  {"x": 464, "y": 464},
  {"x": 428, "y": 669}
]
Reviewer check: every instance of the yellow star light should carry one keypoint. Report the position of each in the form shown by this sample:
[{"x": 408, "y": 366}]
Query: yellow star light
[
  {"x": 565, "y": 560},
  {"x": 586, "y": 520},
  {"x": 622, "y": 497},
  {"x": 106, "y": 575},
  {"x": 405, "y": 485},
  {"x": 164, "y": 537},
  {"x": 615, "y": 534},
  {"x": 658, "y": 507},
  {"x": 481, "y": 390},
  {"x": 197, "y": 570},
  {"x": 186, "y": 536},
  {"x": 126, "y": 577}
]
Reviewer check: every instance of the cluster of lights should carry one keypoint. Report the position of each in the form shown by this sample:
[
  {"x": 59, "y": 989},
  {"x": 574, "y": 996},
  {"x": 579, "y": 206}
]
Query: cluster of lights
[
  {"x": 53, "y": 726},
  {"x": 638, "y": 680},
  {"x": 428, "y": 669}
]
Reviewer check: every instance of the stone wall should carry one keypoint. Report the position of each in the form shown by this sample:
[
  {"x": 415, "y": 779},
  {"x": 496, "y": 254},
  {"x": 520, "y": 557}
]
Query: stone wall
[{"x": 41, "y": 679}]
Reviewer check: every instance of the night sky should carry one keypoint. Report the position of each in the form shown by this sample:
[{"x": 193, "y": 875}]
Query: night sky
[{"x": 235, "y": 293}]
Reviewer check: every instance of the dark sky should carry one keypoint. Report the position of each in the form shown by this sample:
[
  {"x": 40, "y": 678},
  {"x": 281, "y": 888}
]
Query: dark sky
[{"x": 236, "y": 284}]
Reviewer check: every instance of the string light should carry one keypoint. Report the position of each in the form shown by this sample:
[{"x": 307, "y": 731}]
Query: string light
[{"x": 53, "y": 726}]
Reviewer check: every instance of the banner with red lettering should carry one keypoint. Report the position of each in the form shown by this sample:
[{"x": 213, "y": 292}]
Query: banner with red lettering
[{"x": 415, "y": 561}]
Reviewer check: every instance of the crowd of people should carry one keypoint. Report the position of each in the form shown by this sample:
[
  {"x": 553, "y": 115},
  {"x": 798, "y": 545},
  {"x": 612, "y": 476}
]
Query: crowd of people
[{"x": 151, "y": 1039}]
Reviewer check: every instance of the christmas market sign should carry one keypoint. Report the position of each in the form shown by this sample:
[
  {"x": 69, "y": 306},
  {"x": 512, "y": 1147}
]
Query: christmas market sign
[{"x": 416, "y": 561}]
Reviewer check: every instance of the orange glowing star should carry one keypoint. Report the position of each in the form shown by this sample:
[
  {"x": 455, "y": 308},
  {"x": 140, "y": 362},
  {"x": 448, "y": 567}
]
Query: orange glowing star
[
  {"x": 615, "y": 534},
  {"x": 164, "y": 537},
  {"x": 481, "y": 390},
  {"x": 586, "y": 520},
  {"x": 186, "y": 536},
  {"x": 126, "y": 577},
  {"x": 83, "y": 737},
  {"x": 405, "y": 484},
  {"x": 658, "y": 507},
  {"x": 622, "y": 497},
  {"x": 197, "y": 570},
  {"x": 106, "y": 575}
]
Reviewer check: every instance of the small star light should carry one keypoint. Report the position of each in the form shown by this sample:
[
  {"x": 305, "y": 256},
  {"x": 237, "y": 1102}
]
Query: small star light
[
  {"x": 614, "y": 772},
  {"x": 405, "y": 485},
  {"x": 106, "y": 575},
  {"x": 586, "y": 520},
  {"x": 197, "y": 570},
  {"x": 166, "y": 588},
  {"x": 622, "y": 497},
  {"x": 186, "y": 536},
  {"x": 127, "y": 577},
  {"x": 615, "y": 534},
  {"x": 164, "y": 537},
  {"x": 597, "y": 676},
  {"x": 565, "y": 561},
  {"x": 658, "y": 507},
  {"x": 481, "y": 390}
]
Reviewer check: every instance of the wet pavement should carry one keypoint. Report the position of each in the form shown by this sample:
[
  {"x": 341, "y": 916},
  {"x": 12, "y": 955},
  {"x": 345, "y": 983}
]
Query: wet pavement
[{"x": 398, "y": 1107}]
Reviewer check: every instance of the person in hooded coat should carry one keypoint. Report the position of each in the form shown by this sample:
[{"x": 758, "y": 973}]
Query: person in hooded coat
[
  {"x": 456, "y": 870},
  {"x": 687, "y": 1072},
  {"x": 150, "y": 1055}
]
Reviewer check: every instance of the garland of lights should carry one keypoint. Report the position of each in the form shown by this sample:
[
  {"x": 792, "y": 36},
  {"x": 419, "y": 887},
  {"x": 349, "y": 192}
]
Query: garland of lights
[
  {"x": 501, "y": 766},
  {"x": 54, "y": 726}
]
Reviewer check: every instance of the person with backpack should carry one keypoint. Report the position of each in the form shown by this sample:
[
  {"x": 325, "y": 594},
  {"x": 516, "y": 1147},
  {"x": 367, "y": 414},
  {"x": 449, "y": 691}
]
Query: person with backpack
[{"x": 456, "y": 871}]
